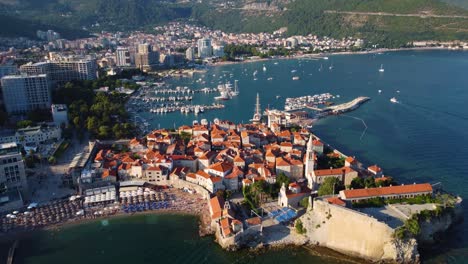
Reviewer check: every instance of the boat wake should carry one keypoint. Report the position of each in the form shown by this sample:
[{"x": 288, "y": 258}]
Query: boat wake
[
  {"x": 363, "y": 122},
  {"x": 436, "y": 111}
]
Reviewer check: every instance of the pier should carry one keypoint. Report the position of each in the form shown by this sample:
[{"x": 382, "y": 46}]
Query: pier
[{"x": 341, "y": 108}]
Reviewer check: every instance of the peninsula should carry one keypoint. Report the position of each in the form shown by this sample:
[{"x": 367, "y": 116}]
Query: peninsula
[{"x": 253, "y": 185}]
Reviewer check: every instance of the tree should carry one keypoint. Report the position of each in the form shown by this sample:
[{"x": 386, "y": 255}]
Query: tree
[
  {"x": 282, "y": 178},
  {"x": 357, "y": 183},
  {"x": 77, "y": 122},
  {"x": 92, "y": 123},
  {"x": 299, "y": 227},
  {"x": 369, "y": 182},
  {"x": 330, "y": 185},
  {"x": 52, "y": 160},
  {"x": 305, "y": 202},
  {"x": 185, "y": 136},
  {"x": 104, "y": 131},
  {"x": 24, "y": 123}
]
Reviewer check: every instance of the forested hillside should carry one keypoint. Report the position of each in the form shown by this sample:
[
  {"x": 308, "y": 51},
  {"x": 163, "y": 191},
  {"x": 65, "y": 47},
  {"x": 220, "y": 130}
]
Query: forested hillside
[{"x": 391, "y": 22}]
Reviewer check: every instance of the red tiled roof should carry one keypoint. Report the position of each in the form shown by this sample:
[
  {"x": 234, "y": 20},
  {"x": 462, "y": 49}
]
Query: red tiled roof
[
  {"x": 317, "y": 143},
  {"x": 336, "y": 200},
  {"x": 390, "y": 190},
  {"x": 156, "y": 168},
  {"x": 328, "y": 172},
  {"x": 215, "y": 179},
  {"x": 375, "y": 168},
  {"x": 203, "y": 174},
  {"x": 216, "y": 205},
  {"x": 281, "y": 162},
  {"x": 225, "y": 226},
  {"x": 350, "y": 159},
  {"x": 221, "y": 167}
]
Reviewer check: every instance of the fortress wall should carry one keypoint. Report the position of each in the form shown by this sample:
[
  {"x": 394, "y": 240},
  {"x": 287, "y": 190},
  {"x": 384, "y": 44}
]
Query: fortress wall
[{"x": 352, "y": 233}]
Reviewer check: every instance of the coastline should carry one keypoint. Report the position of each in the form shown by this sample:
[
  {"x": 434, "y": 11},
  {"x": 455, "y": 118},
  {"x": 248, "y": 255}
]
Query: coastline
[
  {"x": 203, "y": 228},
  {"x": 324, "y": 54}
]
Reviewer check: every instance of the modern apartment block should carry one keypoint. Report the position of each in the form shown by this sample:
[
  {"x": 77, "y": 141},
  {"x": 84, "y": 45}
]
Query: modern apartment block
[
  {"x": 13, "y": 183},
  {"x": 63, "y": 70},
  {"x": 12, "y": 173},
  {"x": 146, "y": 57},
  {"x": 122, "y": 57},
  {"x": 22, "y": 93}
]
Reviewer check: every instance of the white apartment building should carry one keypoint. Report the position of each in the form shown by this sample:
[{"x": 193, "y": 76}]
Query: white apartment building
[
  {"x": 122, "y": 57},
  {"x": 63, "y": 70},
  {"x": 23, "y": 93},
  {"x": 33, "y": 135},
  {"x": 204, "y": 48}
]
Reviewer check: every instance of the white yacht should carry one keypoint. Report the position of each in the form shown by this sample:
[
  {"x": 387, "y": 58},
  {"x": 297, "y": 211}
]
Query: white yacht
[
  {"x": 394, "y": 100},
  {"x": 381, "y": 68},
  {"x": 295, "y": 78},
  {"x": 325, "y": 58},
  {"x": 264, "y": 68}
]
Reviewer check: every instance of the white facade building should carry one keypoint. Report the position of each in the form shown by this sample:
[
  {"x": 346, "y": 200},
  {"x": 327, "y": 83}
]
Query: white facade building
[
  {"x": 122, "y": 57},
  {"x": 25, "y": 93},
  {"x": 34, "y": 135},
  {"x": 204, "y": 48},
  {"x": 64, "y": 69},
  {"x": 190, "y": 54}
]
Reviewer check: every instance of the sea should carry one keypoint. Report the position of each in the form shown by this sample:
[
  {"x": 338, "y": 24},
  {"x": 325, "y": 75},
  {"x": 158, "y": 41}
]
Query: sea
[{"x": 421, "y": 138}]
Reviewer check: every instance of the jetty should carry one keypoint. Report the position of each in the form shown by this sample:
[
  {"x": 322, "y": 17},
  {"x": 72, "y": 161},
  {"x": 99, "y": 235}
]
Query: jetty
[{"x": 341, "y": 108}]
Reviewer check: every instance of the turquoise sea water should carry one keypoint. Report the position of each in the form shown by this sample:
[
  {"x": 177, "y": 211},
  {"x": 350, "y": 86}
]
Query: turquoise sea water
[
  {"x": 423, "y": 138},
  {"x": 142, "y": 239}
]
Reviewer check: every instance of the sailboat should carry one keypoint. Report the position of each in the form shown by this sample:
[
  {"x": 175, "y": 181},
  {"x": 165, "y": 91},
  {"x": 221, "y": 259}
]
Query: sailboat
[
  {"x": 331, "y": 67},
  {"x": 381, "y": 68},
  {"x": 236, "y": 90}
]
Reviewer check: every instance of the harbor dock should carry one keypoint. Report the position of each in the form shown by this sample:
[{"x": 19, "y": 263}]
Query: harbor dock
[{"x": 341, "y": 108}]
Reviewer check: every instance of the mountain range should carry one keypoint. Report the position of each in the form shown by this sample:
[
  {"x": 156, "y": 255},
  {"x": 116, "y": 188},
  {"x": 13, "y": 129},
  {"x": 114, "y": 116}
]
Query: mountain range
[{"x": 391, "y": 23}]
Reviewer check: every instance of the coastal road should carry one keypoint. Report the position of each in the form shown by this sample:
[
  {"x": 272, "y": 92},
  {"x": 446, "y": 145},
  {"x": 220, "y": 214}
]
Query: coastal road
[{"x": 420, "y": 15}]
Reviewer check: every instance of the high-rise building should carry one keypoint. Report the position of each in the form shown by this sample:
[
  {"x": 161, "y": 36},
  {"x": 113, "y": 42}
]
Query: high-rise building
[
  {"x": 190, "y": 54},
  {"x": 204, "y": 48},
  {"x": 12, "y": 173},
  {"x": 145, "y": 58},
  {"x": 22, "y": 93},
  {"x": 122, "y": 57},
  {"x": 63, "y": 70},
  {"x": 218, "y": 50}
]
